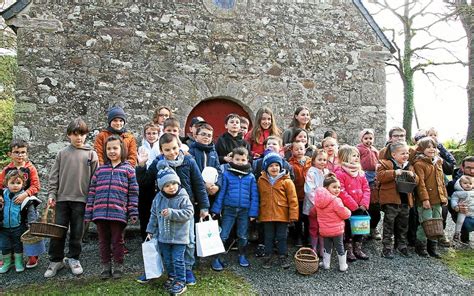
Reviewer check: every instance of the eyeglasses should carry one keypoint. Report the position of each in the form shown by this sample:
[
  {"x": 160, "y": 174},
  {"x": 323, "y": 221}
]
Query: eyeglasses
[
  {"x": 202, "y": 134},
  {"x": 19, "y": 152},
  {"x": 164, "y": 115}
]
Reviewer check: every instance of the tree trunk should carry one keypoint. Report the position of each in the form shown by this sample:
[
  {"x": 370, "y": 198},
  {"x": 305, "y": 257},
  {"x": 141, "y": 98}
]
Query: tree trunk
[{"x": 407, "y": 78}]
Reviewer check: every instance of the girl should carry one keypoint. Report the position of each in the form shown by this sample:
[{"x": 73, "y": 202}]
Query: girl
[
  {"x": 300, "y": 135},
  {"x": 266, "y": 126},
  {"x": 396, "y": 205},
  {"x": 278, "y": 207},
  {"x": 329, "y": 145},
  {"x": 302, "y": 120},
  {"x": 116, "y": 119},
  {"x": 15, "y": 220},
  {"x": 112, "y": 200},
  {"x": 330, "y": 213},
  {"x": 369, "y": 156},
  {"x": 161, "y": 114},
  {"x": 146, "y": 194},
  {"x": 314, "y": 179},
  {"x": 431, "y": 192},
  {"x": 355, "y": 194}
]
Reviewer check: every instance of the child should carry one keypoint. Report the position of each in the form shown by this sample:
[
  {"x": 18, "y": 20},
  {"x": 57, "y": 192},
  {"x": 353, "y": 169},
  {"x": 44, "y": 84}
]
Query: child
[
  {"x": 171, "y": 214},
  {"x": 355, "y": 194},
  {"x": 368, "y": 160},
  {"x": 161, "y": 114},
  {"x": 396, "y": 205},
  {"x": 190, "y": 138},
  {"x": 191, "y": 180},
  {"x": 172, "y": 126},
  {"x": 69, "y": 180},
  {"x": 278, "y": 207},
  {"x": 16, "y": 218},
  {"x": 302, "y": 120},
  {"x": 238, "y": 201},
  {"x": 329, "y": 145},
  {"x": 146, "y": 194},
  {"x": 266, "y": 126},
  {"x": 463, "y": 196},
  {"x": 244, "y": 125},
  {"x": 112, "y": 200},
  {"x": 231, "y": 139},
  {"x": 314, "y": 179},
  {"x": 431, "y": 192},
  {"x": 330, "y": 214},
  {"x": 300, "y": 164},
  {"x": 300, "y": 135},
  {"x": 116, "y": 119},
  {"x": 272, "y": 144},
  {"x": 19, "y": 156}
]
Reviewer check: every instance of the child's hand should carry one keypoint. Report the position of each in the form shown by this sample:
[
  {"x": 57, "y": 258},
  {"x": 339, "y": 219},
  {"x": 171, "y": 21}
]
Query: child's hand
[
  {"x": 363, "y": 208},
  {"x": 228, "y": 157},
  {"x": 398, "y": 172},
  {"x": 426, "y": 204},
  {"x": 212, "y": 190},
  {"x": 203, "y": 213},
  {"x": 134, "y": 219},
  {"x": 256, "y": 155},
  {"x": 252, "y": 219},
  {"x": 165, "y": 213},
  {"x": 410, "y": 173},
  {"x": 51, "y": 202},
  {"x": 142, "y": 157},
  {"x": 149, "y": 236}
]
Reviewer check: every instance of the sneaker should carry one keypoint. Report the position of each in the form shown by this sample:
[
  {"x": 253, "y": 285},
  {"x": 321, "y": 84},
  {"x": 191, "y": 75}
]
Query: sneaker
[
  {"x": 387, "y": 253},
  {"x": 283, "y": 261},
  {"x": 142, "y": 279},
  {"x": 190, "y": 278},
  {"x": 32, "y": 262},
  {"x": 118, "y": 271},
  {"x": 404, "y": 252},
  {"x": 106, "y": 272},
  {"x": 178, "y": 288},
  {"x": 53, "y": 269},
  {"x": 243, "y": 261},
  {"x": 168, "y": 284},
  {"x": 267, "y": 264},
  {"x": 74, "y": 265},
  {"x": 216, "y": 265},
  {"x": 260, "y": 251},
  {"x": 457, "y": 237}
]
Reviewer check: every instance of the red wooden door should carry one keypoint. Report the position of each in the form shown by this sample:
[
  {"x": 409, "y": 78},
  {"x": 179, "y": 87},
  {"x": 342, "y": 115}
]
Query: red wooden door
[{"x": 214, "y": 112}]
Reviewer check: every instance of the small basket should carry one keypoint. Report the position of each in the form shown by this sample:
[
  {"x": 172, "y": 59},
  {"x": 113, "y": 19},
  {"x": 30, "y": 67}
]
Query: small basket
[
  {"x": 405, "y": 183},
  {"x": 306, "y": 261},
  {"x": 433, "y": 228},
  {"x": 45, "y": 229},
  {"x": 28, "y": 239}
]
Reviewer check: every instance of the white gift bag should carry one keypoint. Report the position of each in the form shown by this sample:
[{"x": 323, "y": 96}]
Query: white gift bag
[
  {"x": 152, "y": 259},
  {"x": 208, "y": 239}
]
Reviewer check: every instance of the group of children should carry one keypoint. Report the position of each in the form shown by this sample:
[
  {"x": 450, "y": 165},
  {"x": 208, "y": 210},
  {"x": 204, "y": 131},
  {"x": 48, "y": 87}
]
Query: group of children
[{"x": 259, "y": 182}]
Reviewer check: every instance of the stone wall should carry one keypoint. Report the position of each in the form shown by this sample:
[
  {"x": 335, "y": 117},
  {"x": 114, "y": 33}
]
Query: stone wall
[{"x": 79, "y": 59}]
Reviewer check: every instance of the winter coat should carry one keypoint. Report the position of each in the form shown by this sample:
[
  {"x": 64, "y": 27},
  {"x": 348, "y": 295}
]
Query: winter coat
[
  {"x": 462, "y": 196},
  {"x": 258, "y": 163},
  {"x": 32, "y": 182},
  {"x": 301, "y": 171},
  {"x": 330, "y": 213},
  {"x": 431, "y": 185},
  {"x": 387, "y": 190},
  {"x": 257, "y": 148},
  {"x": 314, "y": 179},
  {"x": 332, "y": 165},
  {"x": 128, "y": 141},
  {"x": 206, "y": 156},
  {"x": 226, "y": 143},
  {"x": 355, "y": 191},
  {"x": 174, "y": 228},
  {"x": 368, "y": 157},
  {"x": 113, "y": 194},
  {"x": 278, "y": 202},
  {"x": 15, "y": 215},
  {"x": 239, "y": 191}
]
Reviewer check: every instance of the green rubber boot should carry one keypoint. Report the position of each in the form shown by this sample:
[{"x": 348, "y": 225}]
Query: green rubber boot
[
  {"x": 19, "y": 267},
  {"x": 7, "y": 263}
]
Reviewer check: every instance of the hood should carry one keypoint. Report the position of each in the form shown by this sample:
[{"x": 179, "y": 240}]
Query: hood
[
  {"x": 457, "y": 185},
  {"x": 323, "y": 198}
]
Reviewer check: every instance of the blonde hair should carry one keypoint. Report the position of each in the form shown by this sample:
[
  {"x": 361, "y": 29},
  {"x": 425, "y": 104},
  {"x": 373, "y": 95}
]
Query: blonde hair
[
  {"x": 316, "y": 153},
  {"x": 345, "y": 152},
  {"x": 328, "y": 139}
]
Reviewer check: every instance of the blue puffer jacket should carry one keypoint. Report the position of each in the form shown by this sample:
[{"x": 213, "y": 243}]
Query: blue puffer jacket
[
  {"x": 12, "y": 212},
  {"x": 238, "y": 191},
  {"x": 206, "y": 155}
]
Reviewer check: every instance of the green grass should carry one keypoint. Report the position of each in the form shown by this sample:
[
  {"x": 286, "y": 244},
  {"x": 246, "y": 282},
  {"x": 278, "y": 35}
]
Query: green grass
[
  {"x": 8, "y": 68},
  {"x": 210, "y": 283},
  {"x": 461, "y": 261}
]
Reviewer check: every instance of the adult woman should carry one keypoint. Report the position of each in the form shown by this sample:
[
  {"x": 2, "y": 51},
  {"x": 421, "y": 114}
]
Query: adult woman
[{"x": 301, "y": 119}]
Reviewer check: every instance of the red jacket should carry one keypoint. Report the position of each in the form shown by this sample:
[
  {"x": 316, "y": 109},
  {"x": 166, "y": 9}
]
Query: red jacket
[
  {"x": 329, "y": 212},
  {"x": 355, "y": 191},
  {"x": 254, "y": 146},
  {"x": 368, "y": 157},
  {"x": 300, "y": 175},
  {"x": 32, "y": 182}
]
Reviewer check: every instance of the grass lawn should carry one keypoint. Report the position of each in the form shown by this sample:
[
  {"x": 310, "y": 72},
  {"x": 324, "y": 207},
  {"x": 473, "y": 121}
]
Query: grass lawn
[
  {"x": 461, "y": 261},
  {"x": 210, "y": 283}
]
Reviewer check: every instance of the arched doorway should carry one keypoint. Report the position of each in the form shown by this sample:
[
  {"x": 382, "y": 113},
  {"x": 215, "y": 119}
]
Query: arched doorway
[{"x": 214, "y": 112}]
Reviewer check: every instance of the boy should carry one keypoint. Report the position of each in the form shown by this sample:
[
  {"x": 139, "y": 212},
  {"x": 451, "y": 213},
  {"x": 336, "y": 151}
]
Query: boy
[
  {"x": 196, "y": 122},
  {"x": 231, "y": 139},
  {"x": 69, "y": 180},
  {"x": 19, "y": 156},
  {"x": 244, "y": 125},
  {"x": 191, "y": 180},
  {"x": 272, "y": 144},
  {"x": 172, "y": 126},
  {"x": 238, "y": 201}
]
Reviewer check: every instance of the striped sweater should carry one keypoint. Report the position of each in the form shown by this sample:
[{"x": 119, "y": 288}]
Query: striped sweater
[{"x": 113, "y": 194}]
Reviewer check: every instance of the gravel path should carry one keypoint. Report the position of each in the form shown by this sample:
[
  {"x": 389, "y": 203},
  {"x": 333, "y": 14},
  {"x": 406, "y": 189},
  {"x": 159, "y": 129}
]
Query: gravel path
[{"x": 375, "y": 276}]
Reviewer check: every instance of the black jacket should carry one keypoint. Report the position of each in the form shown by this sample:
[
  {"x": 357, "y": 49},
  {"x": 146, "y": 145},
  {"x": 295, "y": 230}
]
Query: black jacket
[{"x": 226, "y": 143}]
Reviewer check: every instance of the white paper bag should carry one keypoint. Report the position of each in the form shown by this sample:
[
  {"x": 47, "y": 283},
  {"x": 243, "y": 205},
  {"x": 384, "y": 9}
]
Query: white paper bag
[
  {"x": 208, "y": 239},
  {"x": 152, "y": 259}
]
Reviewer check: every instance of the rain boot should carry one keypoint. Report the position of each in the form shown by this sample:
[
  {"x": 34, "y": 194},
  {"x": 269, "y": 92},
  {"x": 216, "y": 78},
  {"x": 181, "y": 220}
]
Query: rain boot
[
  {"x": 342, "y": 262},
  {"x": 19, "y": 267},
  {"x": 432, "y": 249},
  {"x": 350, "y": 253},
  {"x": 358, "y": 251},
  {"x": 326, "y": 260},
  {"x": 7, "y": 263},
  {"x": 420, "y": 248}
]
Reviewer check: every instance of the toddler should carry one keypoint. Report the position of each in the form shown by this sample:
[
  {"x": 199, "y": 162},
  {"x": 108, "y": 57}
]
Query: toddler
[
  {"x": 464, "y": 195},
  {"x": 265, "y": 127},
  {"x": 329, "y": 145}
]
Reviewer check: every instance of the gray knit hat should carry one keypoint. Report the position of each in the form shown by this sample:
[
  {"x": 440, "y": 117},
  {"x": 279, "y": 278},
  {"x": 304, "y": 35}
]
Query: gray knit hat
[{"x": 167, "y": 175}]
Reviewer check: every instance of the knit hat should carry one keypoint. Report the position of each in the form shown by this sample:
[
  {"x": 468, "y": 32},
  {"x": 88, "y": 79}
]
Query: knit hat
[
  {"x": 270, "y": 158},
  {"x": 116, "y": 112},
  {"x": 366, "y": 131},
  {"x": 167, "y": 175}
]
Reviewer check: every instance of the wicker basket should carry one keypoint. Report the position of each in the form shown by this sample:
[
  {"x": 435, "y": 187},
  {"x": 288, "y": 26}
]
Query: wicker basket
[
  {"x": 306, "y": 261},
  {"x": 45, "y": 229},
  {"x": 28, "y": 239},
  {"x": 433, "y": 228},
  {"x": 405, "y": 183}
]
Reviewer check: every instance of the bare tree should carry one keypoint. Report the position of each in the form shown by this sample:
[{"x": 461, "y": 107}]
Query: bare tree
[{"x": 417, "y": 18}]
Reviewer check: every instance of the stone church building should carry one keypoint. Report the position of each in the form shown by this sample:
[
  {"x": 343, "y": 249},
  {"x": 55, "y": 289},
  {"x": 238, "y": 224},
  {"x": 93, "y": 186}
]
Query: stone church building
[{"x": 199, "y": 57}]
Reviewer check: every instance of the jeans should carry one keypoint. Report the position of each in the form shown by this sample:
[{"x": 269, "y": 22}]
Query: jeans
[
  {"x": 338, "y": 242},
  {"x": 69, "y": 214},
  {"x": 395, "y": 224},
  {"x": 189, "y": 258},
  {"x": 10, "y": 239},
  {"x": 468, "y": 224},
  {"x": 423, "y": 215},
  {"x": 110, "y": 240},
  {"x": 173, "y": 259},
  {"x": 276, "y": 231},
  {"x": 229, "y": 216}
]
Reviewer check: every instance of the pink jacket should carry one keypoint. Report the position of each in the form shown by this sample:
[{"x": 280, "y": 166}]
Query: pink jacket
[
  {"x": 355, "y": 191},
  {"x": 368, "y": 157},
  {"x": 329, "y": 212}
]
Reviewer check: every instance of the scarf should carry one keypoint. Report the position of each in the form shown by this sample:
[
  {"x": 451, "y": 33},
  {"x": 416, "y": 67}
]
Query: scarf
[
  {"x": 116, "y": 132},
  {"x": 240, "y": 169},
  {"x": 177, "y": 162},
  {"x": 203, "y": 147},
  {"x": 350, "y": 168},
  {"x": 273, "y": 180}
]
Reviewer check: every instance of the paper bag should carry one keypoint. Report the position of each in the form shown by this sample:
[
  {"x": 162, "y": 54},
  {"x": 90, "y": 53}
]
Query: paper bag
[
  {"x": 152, "y": 259},
  {"x": 208, "y": 239}
]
